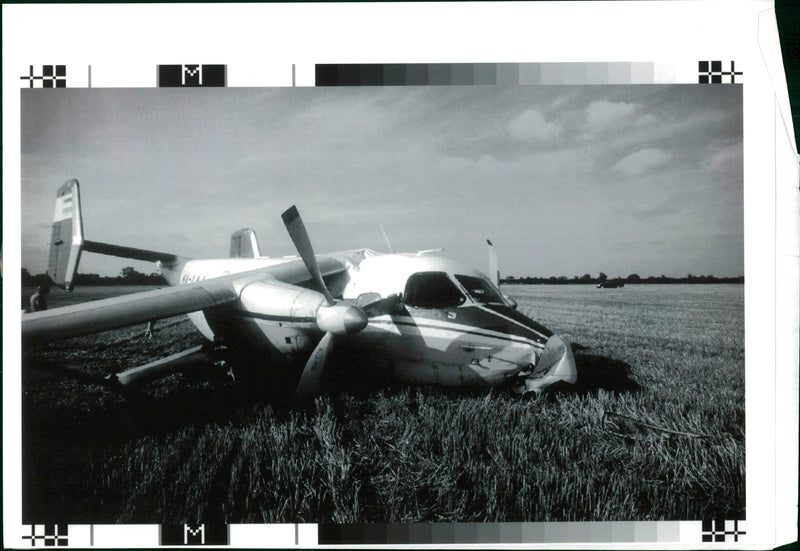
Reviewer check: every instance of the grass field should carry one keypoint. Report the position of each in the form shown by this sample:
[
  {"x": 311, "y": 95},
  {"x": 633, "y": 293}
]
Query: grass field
[{"x": 653, "y": 430}]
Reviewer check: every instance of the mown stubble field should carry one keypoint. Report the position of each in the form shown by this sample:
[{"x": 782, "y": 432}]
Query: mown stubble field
[{"x": 654, "y": 429}]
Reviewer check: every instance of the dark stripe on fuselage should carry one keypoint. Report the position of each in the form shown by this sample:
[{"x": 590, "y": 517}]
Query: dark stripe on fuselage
[
  {"x": 492, "y": 318},
  {"x": 476, "y": 331},
  {"x": 520, "y": 318}
]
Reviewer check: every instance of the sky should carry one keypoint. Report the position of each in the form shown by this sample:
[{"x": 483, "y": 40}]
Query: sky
[{"x": 565, "y": 180}]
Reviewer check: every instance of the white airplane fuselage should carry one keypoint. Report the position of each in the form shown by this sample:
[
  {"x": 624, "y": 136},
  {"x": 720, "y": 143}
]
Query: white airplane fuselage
[
  {"x": 458, "y": 341},
  {"x": 416, "y": 317}
]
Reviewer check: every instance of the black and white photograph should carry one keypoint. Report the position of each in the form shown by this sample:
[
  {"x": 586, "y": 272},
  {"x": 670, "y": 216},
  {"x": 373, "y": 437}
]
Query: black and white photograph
[
  {"x": 461, "y": 302},
  {"x": 601, "y": 377}
]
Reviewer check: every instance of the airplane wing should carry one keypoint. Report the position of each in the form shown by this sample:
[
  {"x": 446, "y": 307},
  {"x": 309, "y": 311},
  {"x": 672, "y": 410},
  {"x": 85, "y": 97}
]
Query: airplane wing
[{"x": 112, "y": 313}]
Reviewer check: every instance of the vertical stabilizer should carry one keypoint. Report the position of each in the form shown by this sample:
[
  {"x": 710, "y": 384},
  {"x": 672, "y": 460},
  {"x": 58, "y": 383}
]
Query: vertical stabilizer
[
  {"x": 66, "y": 239},
  {"x": 244, "y": 244},
  {"x": 494, "y": 265}
]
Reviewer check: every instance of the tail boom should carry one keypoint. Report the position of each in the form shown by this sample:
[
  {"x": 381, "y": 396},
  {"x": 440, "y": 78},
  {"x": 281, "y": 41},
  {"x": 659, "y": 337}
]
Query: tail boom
[{"x": 67, "y": 242}]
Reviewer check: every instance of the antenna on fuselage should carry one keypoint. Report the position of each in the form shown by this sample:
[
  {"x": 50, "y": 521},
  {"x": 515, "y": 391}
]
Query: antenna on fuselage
[{"x": 386, "y": 237}]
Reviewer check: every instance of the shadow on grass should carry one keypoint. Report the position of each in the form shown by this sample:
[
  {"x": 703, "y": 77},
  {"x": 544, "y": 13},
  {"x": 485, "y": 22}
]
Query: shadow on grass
[
  {"x": 72, "y": 405},
  {"x": 69, "y": 403},
  {"x": 599, "y": 372}
]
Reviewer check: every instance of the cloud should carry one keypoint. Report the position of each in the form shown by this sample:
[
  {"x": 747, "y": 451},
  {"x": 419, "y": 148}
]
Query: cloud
[
  {"x": 532, "y": 125},
  {"x": 666, "y": 207},
  {"x": 641, "y": 161},
  {"x": 487, "y": 164},
  {"x": 647, "y": 120},
  {"x": 437, "y": 166},
  {"x": 603, "y": 114},
  {"x": 727, "y": 158}
]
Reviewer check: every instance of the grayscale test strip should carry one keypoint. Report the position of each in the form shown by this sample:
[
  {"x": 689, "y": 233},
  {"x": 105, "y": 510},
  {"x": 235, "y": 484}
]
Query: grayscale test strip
[
  {"x": 483, "y": 74},
  {"x": 456, "y": 533},
  {"x": 402, "y": 74}
]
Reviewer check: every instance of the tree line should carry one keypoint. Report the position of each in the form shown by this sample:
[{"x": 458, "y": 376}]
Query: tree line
[
  {"x": 127, "y": 276},
  {"x": 632, "y": 278}
]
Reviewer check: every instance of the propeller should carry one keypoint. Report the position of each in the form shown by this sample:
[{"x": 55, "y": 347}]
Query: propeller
[
  {"x": 333, "y": 318},
  {"x": 297, "y": 231},
  {"x": 311, "y": 377}
]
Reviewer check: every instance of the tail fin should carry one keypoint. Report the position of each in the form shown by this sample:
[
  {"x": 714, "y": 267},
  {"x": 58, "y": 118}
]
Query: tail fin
[
  {"x": 66, "y": 239},
  {"x": 67, "y": 243},
  {"x": 494, "y": 266},
  {"x": 494, "y": 273},
  {"x": 244, "y": 244}
]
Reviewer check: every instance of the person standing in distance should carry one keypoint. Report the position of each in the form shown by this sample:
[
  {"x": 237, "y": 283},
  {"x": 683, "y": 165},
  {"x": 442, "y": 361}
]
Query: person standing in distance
[{"x": 38, "y": 301}]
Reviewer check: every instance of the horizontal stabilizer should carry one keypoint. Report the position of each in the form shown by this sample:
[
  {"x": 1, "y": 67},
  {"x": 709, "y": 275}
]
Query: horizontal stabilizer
[{"x": 129, "y": 252}]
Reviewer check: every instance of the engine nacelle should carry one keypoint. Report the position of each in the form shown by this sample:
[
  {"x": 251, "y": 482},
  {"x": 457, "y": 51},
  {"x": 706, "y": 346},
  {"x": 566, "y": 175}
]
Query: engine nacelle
[{"x": 280, "y": 314}]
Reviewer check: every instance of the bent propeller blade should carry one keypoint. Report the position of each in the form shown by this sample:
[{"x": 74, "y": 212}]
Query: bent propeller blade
[
  {"x": 311, "y": 377},
  {"x": 297, "y": 231}
]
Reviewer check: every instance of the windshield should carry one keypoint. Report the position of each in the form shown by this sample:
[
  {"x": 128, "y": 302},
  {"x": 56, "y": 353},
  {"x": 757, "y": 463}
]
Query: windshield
[
  {"x": 480, "y": 290},
  {"x": 432, "y": 290}
]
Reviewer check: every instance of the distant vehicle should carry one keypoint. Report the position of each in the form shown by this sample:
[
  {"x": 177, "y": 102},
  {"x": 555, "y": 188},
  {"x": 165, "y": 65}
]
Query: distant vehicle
[
  {"x": 612, "y": 284},
  {"x": 428, "y": 318}
]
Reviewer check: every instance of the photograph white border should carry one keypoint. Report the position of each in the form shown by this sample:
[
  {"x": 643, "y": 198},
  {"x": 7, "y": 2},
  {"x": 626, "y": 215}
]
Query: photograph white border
[{"x": 125, "y": 43}]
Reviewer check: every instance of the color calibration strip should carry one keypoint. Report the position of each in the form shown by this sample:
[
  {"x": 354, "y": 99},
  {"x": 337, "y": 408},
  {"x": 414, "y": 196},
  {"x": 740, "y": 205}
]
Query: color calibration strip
[
  {"x": 501, "y": 533},
  {"x": 492, "y": 74}
]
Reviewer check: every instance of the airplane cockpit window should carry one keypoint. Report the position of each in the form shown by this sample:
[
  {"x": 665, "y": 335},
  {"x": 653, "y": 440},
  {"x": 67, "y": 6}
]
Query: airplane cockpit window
[
  {"x": 480, "y": 290},
  {"x": 432, "y": 290}
]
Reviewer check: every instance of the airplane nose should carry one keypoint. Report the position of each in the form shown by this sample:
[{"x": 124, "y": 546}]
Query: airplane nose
[
  {"x": 341, "y": 319},
  {"x": 555, "y": 364}
]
